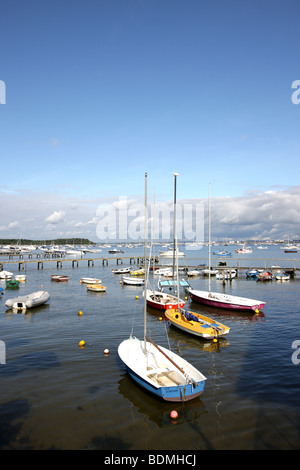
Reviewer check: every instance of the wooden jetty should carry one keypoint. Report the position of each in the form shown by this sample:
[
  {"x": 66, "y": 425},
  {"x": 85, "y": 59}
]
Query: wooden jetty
[
  {"x": 190, "y": 263},
  {"x": 75, "y": 262}
]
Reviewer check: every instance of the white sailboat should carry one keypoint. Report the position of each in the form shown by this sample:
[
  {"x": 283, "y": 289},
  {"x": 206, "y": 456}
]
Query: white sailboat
[
  {"x": 219, "y": 300},
  {"x": 164, "y": 300},
  {"x": 155, "y": 368},
  {"x": 192, "y": 322}
]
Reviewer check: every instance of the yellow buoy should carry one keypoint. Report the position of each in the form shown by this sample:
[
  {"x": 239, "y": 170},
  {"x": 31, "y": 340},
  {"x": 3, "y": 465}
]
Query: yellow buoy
[
  {"x": 160, "y": 318},
  {"x": 82, "y": 343},
  {"x": 79, "y": 312},
  {"x": 257, "y": 311},
  {"x": 215, "y": 340},
  {"x": 137, "y": 297}
]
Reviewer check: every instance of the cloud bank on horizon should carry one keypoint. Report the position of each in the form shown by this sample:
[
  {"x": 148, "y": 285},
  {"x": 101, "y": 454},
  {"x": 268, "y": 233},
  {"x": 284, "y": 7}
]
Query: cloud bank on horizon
[{"x": 268, "y": 215}]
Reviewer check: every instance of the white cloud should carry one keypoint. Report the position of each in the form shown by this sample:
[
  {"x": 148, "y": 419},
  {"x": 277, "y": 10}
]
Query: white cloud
[
  {"x": 56, "y": 217},
  {"x": 257, "y": 214},
  {"x": 10, "y": 226},
  {"x": 93, "y": 221},
  {"x": 13, "y": 225}
]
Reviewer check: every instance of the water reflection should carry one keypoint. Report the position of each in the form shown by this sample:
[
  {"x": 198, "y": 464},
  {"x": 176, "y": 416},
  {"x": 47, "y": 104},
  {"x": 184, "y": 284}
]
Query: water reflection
[
  {"x": 32, "y": 361},
  {"x": 156, "y": 410}
]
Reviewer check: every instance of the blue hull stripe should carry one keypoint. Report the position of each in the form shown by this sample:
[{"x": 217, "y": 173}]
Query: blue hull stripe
[{"x": 175, "y": 393}]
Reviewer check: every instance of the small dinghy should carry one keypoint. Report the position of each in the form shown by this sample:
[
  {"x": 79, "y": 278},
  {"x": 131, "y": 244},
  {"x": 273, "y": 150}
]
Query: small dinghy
[
  {"x": 133, "y": 281},
  {"x": 115, "y": 251},
  {"x": 20, "y": 277},
  {"x": 96, "y": 288},
  {"x": 228, "y": 274},
  {"x": 253, "y": 273},
  {"x": 163, "y": 300},
  {"x": 90, "y": 280},
  {"x": 197, "y": 324},
  {"x": 193, "y": 273},
  {"x": 59, "y": 278},
  {"x": 5, "y": 275},
  {"x": 138, "y": 272},
  {"x": 28, "y": 301},
  {"x": 265, "y": 276},
  {"x": 121, "y": 271},
  {"x": 12, "y": 284},
  {"x": 282, "y": 277}
]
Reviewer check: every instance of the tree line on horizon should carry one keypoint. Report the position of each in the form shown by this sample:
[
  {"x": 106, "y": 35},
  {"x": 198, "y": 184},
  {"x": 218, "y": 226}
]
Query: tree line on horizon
[{"x": 57, "y": 241}]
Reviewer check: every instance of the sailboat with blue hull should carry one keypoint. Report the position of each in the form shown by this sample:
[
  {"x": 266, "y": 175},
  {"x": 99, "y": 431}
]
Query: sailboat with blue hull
[
  {"x": 160, "y": 371},
  {"x": 155, "y": 368}
]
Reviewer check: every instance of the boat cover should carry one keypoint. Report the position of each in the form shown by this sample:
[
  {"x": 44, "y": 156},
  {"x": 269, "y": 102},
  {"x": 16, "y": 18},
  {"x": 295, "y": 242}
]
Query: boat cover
[{"x": 190, "y": 317}]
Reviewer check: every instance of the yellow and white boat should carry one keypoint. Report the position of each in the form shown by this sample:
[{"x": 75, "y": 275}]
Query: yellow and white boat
[
  {"x": 96, "y": 287},
  {"x": 138, "y": 272},
  {"x": 196, "y": 324}
]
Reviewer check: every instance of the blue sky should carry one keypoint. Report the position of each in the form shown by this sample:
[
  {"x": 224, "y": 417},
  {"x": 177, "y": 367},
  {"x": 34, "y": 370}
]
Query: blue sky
[{"x": 100, "y": 91}]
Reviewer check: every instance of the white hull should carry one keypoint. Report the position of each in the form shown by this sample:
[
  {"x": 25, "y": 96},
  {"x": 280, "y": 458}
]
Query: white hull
[
  {"x": 162, "y": 300},
  {"x": 159, "y": 375},
  {"x": 232, "y": 302},
  {"x": 170, "y": 254},
  {"x": 28, "y": 301},
  {"x": 5, "y": 275},
  {"x": 212, "y": 272},
  {"x": 133, "y": 281},
  {"x": 95, "y": 288},
  {"x": 20, "y": 277},
  {"x": 90, "y": 280},
  {"x": 226, "y": 275},
  {"x": 121, "y": 271}
]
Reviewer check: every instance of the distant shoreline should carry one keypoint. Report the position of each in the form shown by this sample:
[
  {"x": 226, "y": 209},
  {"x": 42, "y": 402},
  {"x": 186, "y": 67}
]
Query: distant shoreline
[{"x": 57, "y": 241}]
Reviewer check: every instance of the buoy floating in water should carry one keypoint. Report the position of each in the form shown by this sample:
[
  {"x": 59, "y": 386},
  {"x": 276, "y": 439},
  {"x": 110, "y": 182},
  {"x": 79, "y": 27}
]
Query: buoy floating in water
[
  {"x": 82, "y": 343},
  {"x": 106, "y": 351},
  {"x": 79, "y": 312},
  {"x": 174, "y": 414},
  {"x": 137, "y": 297}
]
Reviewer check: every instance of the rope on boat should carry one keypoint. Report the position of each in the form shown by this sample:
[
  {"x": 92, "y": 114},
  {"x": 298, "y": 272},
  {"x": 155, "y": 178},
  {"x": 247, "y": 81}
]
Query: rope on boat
[{"x": 187, "y": 377}]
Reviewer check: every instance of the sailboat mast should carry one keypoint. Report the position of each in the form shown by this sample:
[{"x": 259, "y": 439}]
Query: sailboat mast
[
  {"x": 175, "y": 241},
  {"x": 153, "y": 241},
  {"x": 146, "y": 232},
  {"x": 174, "y": 227},
  {"x": 209, "y": 241}
]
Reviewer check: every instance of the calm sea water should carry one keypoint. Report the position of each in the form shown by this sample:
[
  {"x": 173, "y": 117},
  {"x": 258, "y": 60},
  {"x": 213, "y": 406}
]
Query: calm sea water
[{"x": 55, "y": 395}]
